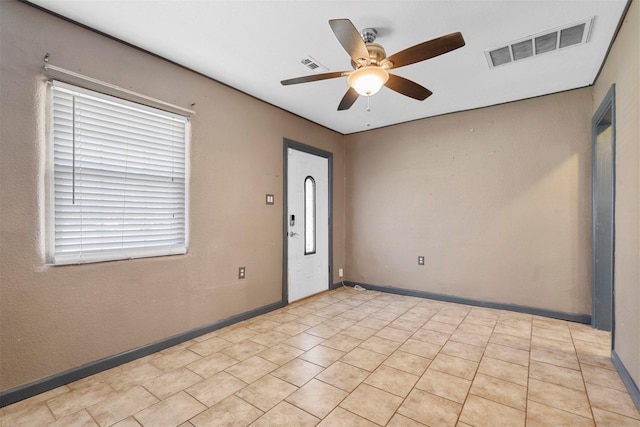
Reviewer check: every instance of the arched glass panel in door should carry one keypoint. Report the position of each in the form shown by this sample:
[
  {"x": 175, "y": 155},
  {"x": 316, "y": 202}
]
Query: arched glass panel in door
[{"x": 309, "y": 216}]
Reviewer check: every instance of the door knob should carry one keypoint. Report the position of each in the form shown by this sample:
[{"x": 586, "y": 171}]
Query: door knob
[{"x": 292, "y": 233}]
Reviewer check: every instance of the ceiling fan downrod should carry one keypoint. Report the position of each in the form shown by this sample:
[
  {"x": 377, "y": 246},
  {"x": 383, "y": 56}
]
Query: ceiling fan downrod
[{"x": 369, "y": 35}]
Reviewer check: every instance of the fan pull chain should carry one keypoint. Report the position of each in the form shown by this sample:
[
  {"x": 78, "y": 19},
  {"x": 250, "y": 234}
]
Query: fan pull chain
[{"x": 368, "y": 111}]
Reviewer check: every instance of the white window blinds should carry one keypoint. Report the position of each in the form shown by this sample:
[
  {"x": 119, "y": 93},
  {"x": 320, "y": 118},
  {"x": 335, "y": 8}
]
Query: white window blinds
[{"x": 119, "y": 177}]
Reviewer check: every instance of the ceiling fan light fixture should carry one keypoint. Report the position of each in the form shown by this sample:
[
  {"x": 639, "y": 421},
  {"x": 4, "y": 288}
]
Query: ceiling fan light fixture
[
  {"x": 371, "y": 64},
  {"x": 368, "y": 80}
]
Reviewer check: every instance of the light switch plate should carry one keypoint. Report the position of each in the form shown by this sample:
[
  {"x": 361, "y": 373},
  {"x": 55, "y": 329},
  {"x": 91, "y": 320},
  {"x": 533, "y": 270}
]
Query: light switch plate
[{"x": 270, "y": 199}]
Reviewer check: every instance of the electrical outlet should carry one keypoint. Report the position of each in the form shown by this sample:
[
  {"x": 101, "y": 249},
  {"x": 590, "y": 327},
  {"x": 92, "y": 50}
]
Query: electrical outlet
[
  {"x": 241, "y": 273},
  {"x": 340, "y": 272},
  {"x": 420, "y": 260}
]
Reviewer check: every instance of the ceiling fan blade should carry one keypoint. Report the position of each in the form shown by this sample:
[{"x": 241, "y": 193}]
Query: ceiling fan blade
[
  {"x": 407, "y": 87},
  {"x": 314, "y": 77},
  {"x": 350, "y": 39},
  {"x": 348, "y": 99},
  {"x": 425, "y": 50}
]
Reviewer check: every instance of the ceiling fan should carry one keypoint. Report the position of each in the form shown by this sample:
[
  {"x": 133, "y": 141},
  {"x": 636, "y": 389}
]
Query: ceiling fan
[{"x": 371, "y": 65}]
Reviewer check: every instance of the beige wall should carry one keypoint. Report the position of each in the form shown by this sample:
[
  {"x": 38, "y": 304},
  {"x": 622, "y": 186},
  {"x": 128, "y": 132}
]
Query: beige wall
[
  {"x": 53, "y": 319},
  {"x": 498, "y": 200},
  {"x": 622, "y": 69}
]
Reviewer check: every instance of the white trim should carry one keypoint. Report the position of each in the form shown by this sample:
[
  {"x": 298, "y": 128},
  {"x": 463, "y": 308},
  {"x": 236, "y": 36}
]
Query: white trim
[
  {"x": 49, "y": 180},
  {"x": 187, "y": 184},
  {"x": 115, "y": 255}
]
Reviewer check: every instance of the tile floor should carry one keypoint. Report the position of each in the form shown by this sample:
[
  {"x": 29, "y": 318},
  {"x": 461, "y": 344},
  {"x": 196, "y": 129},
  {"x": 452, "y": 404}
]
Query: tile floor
[{"x": 357, "y": 358}]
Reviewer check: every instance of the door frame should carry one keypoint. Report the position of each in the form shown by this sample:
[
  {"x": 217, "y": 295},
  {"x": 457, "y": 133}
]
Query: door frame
[
  {"x": 607, "y": 106},
  {"x": 287, "y": 144}
]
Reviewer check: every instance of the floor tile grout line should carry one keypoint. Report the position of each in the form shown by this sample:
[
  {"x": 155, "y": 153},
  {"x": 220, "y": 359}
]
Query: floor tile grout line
[
  {"x": 412, "y": 388},
  {"x": 51, "y": 411},
  {"x": 325, "y": 368},
  {"x": 472, "y": 380},
  {"x": 526, "y": 402},
  {"x": 392, "y": 353},
  {"x": 249, "y": 403},
  {"x": 382, "y": 363},
  {"x": 581, "y": 375},
  {"x": 403, "y": 307}
]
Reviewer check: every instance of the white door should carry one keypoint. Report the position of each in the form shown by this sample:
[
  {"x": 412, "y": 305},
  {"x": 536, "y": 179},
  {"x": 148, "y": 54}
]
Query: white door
[{"x": 308, "y": 224}]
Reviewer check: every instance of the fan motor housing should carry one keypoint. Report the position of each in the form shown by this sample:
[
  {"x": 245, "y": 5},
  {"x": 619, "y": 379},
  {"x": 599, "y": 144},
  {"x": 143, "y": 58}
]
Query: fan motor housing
[{"x": 376, "y": 55}]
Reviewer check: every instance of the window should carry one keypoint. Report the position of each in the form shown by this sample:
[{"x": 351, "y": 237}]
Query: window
[
  {"x": 117, "y": 179},
  {"x": 309, "y": 216}
]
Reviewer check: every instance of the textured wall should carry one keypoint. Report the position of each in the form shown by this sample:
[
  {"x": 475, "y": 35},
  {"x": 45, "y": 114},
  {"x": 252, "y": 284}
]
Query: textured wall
[
  {"x": 498, "y": 200},
  {"x": 57, "y": 318},
  {"x": 622, "y": 69}
]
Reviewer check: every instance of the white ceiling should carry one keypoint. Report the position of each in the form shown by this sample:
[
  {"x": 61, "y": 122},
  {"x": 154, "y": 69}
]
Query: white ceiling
[{"x": 253, "y": 45}]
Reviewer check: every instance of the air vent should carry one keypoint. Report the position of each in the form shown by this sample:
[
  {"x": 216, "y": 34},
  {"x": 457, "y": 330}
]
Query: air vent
[
  {"x": 546, "y": 43},
  {"x": 313, "y": 65},
  {"x": 521, "y": 50},
  {"x": 538, "y": 44},
  {"x": 500, "y": 56},
  {"x": 572, "y": 35}
]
